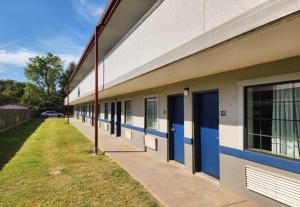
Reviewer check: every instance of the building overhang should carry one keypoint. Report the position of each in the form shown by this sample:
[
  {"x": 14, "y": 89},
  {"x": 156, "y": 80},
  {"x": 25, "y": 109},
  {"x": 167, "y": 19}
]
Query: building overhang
[
  {"x": 271, "y": 42},
  {"x": 117, "y": 20}
]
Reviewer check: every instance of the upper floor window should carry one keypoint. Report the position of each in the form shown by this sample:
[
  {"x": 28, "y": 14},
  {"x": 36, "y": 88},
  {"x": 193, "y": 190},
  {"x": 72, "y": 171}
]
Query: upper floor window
[
  {"x": 106, "y": 111},
  {"x": 151, "y": 113},
  {"x": 273, "y": 118},
  {"x": 128, "y": 112}
]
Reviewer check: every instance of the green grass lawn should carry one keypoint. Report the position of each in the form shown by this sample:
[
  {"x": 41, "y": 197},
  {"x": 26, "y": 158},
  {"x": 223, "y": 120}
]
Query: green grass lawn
[{"x": 48, "y": 163}]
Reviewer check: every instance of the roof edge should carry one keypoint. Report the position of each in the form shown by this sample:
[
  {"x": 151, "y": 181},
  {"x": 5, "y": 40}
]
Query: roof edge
[{"x": 106, "y": 15}]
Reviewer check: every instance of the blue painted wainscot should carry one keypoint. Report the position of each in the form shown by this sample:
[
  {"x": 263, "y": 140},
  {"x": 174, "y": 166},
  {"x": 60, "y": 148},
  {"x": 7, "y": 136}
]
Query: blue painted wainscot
[
  {"x": 146, "y": 131},
  {"x": 264, "y": 159}
]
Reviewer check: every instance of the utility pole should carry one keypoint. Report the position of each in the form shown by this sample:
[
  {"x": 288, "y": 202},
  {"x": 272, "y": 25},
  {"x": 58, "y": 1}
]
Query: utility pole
[{"x": 96, "y": 109}]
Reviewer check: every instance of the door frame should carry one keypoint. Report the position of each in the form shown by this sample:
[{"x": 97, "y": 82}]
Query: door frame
[
  {"x": 112, "y": 117},
  {"x": 196, "y": 139},
  {"x": 92, "y": 109},
  {"x": 118, "y": 125},
  {"x": 170, "y": 152},
  {"x": 84, "y": 113}
]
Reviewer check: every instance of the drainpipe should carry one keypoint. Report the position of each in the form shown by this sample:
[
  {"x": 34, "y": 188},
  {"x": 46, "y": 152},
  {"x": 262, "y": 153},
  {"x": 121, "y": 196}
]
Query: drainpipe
[
  {"x": 68, "y": 105},
  {"x": 96, "y": 92}
]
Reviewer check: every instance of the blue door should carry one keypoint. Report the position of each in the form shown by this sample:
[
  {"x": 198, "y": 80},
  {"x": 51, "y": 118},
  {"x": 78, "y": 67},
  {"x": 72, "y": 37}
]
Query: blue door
[
  {"x": 209, "y": 133},
  {"x": 112, "y": 121},
  {"x": 177, "y": 127}
]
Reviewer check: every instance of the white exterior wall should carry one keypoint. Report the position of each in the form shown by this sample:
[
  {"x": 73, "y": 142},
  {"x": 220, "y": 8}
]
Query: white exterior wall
[
  {"x": 166, "y": 29},
  {"x": 230, "y": 86},
  {"x": 231, "y": 99},
  {"x": 86, "y": 87},
  {"x": 172, "y": 24},
  {"x": 219, "y": 11}
]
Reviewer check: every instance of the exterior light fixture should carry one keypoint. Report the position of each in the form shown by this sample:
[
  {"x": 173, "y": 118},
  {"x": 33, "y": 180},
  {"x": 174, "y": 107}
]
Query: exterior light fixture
[{"x": 186, "y": 91}]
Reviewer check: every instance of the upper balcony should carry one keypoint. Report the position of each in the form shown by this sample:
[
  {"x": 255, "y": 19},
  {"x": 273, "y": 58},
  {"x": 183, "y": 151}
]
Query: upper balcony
[{"x": 139, "y": 39}]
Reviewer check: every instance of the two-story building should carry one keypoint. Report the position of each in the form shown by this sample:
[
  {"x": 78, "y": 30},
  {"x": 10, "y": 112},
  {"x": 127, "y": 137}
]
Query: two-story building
[{"x": 211, "y": 84}]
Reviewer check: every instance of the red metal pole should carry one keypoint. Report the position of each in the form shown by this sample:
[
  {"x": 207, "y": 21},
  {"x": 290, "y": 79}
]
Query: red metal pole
[
  {"x": 68, "y": 105},
  {"x": 108, "y": 12},
  {"x": 96, "y": 92}
]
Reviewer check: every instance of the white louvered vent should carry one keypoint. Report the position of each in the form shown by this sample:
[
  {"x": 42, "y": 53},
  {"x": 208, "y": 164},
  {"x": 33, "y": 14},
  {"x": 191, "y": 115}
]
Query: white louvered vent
[
  {"x": 128, "y": 134},
  {"x": 105, "y": 126},
  {"x": 151, "y": 142},
  {"x": 280, "y": 188}
]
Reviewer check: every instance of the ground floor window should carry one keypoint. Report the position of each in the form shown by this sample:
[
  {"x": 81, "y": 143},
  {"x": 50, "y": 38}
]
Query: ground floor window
[
  {"x": 106, "y": 111},
  {"x": 151, "y": 113},
  {"x": 90, "y": 110},
  {"x": 128, "y": 112},
  {"x": 272, "y": 118}
]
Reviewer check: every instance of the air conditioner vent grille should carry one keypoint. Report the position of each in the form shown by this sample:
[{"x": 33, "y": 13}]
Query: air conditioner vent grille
[{"x": 277, "y": 187}]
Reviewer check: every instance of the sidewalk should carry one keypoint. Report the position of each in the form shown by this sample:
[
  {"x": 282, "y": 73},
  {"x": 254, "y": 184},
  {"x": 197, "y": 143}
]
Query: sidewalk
[{"x": 168, "y": 183}]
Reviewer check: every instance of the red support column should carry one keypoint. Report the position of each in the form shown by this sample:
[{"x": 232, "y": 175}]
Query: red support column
[
  {"x": 96, "y": 93},
  {"x": 68, "y": 114}
]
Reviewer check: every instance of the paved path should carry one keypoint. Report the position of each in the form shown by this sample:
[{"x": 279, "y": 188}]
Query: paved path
[{"x": 170, "y": 184}]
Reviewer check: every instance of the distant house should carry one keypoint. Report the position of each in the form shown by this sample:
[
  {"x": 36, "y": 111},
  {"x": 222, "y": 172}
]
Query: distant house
[{"x": 13, "y": 106}]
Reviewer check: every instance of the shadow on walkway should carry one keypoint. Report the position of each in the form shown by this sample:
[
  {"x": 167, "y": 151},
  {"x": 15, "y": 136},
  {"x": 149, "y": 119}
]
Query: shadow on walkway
[
  {"x": 13, "y": 139},
  {"x": 122, "y": 151}
]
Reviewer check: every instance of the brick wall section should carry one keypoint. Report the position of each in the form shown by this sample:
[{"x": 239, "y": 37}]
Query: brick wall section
[{"x": 13, "y": 117}]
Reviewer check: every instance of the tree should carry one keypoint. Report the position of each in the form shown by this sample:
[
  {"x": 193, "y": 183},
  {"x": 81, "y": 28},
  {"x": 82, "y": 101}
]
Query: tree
[
  {"x": 54, "y": 103},
  {"x": 11, "y": 91},
  {"x": 33, "y": 96},
  {"x": 45, "y": 72},
  {"x": 66, "y": 76},
  {"x": 47, "y": 79},
  {"x": 4, "y": 99}
]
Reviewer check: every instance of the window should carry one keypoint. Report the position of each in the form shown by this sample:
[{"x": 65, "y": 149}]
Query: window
[
  {"x": 151, "y": 116},
  {"x": 92, "y": 110},
  {"x": 128, "y": 113},
  {"x": 106, "y": 111},
  {"x": 273, "y": 119}
]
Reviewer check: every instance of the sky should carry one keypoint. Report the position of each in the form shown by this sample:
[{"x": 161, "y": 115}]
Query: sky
[{"x": 35, "y": 27}]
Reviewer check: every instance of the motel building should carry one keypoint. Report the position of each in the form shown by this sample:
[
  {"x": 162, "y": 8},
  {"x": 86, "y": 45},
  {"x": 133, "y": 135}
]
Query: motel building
[{"x": 212, "y": 85}]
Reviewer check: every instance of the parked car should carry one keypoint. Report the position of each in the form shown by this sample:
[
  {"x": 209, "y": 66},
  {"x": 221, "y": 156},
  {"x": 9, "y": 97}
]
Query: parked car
[{"x": 51, "y": 114}]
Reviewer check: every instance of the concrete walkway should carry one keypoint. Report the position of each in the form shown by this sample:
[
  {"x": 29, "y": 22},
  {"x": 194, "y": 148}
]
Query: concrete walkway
[{"x": 170, "y": 184}]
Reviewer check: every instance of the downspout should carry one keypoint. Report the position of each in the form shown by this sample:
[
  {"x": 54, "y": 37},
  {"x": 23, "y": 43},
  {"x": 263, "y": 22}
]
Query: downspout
[{"x": 96, "y": 93}]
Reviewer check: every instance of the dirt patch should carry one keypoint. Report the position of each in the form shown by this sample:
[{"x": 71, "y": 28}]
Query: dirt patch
[{"x": 56, "y": 171}]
